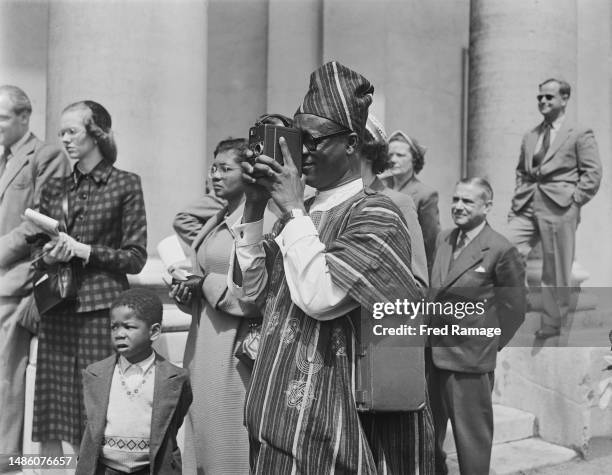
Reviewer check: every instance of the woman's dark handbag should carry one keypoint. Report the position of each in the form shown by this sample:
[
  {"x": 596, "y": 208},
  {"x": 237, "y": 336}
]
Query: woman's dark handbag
[
  {"x": 56, "y": 284},
  {"x": 247, "y": 341}
]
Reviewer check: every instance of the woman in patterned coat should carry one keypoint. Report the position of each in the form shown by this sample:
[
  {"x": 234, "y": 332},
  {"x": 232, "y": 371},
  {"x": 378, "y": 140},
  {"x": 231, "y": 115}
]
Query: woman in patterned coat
[{"x": 106, "y": 239}]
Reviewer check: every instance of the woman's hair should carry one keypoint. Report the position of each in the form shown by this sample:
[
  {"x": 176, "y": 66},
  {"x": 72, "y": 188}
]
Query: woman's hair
[
  {"x": 98, "y": 126},
  {"x": 374, "y": 146},
  {"x": 417, "y": 150},
  {"x": 376, "y": 152},
  {"x": 240, "y": 145}
]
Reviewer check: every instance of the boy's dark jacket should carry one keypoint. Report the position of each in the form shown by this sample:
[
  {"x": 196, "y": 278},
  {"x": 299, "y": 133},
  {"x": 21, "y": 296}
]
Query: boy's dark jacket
[{"x": 171, "y": 399}]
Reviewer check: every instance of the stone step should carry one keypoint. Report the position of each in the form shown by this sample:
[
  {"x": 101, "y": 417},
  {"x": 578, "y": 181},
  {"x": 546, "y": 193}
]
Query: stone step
[
  {"x": 521, "y": 457},
  {"x": 510, "y": 424},
  {"x": 596, "y": 337},
  {"x": 583, "y": 301}
]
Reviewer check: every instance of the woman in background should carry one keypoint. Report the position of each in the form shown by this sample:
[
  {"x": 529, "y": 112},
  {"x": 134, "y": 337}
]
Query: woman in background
[
  {"x": 407, "y": 159},
  {"x": 216, "y": 440},
  {"x": 105, "y": 238}
]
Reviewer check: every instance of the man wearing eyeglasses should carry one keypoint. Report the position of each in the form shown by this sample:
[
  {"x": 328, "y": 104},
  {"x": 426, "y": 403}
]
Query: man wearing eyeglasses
[
  {"x": 343, "y": 250},
  {"x": 558, "y": 172},
  {"x": 26, "y": 163}
]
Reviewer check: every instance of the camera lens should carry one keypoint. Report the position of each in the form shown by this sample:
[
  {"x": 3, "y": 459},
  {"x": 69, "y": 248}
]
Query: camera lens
[{"x": 258, "y": 148}]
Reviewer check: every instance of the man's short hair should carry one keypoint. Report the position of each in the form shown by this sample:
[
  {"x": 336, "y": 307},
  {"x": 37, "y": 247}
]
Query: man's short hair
[
  {"x": 146, "y": 305},
  {"x": 564, "y": 88},
  {"x": 484, "y": 185},
  {"x": 21, "y": 101},
  {"x": 240, "y": 145}
]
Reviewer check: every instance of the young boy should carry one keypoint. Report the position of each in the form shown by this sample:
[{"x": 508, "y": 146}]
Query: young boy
[{"x": 135, "y": 401}]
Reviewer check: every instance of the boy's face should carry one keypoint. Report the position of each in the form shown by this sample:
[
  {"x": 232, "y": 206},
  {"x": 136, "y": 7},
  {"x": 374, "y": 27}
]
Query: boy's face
[{"x": 132, "y": 336}]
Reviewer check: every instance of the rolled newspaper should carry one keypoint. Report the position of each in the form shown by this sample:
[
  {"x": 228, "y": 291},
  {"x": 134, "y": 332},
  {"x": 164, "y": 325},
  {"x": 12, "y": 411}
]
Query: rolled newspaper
[
  {"x": 45, "y": 223},
  {"x": 171, "y": 253}
]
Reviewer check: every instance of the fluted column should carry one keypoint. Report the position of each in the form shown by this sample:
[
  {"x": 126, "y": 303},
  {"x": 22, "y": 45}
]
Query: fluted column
[
  {"x": 295, "y": 31},
  {"x": 23, "y": 53},
  {"x": 513, "y": 47},
  {"x": 145, "y": 62}
]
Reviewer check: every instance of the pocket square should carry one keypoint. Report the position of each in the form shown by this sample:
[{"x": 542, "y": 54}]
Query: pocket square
[{"x": 480, "y": 269}]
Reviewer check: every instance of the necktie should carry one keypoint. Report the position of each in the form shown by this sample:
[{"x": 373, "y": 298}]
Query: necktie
[
  {"x": 539, "y": 156},
  {"x": 461, "y": 242},
  {"x": 4, "y": 159}
]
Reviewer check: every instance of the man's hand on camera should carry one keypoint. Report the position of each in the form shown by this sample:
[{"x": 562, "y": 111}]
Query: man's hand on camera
[
  {"x": 254, "y": 193},
  {"x": 283, "y": 182}
]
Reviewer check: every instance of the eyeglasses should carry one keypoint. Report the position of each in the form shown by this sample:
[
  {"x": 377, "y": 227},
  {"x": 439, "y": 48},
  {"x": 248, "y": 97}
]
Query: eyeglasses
[
  {"x": 222, "y": 170},
  {"x": 70, "y": 132},
  {"x": 548, "y": 97},
  {"x": 311, "y": 143}
]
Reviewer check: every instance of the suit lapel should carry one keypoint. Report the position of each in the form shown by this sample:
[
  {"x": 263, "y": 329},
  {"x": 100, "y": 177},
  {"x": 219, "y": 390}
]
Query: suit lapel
[
  {"x": 532, "y": 140},
  {"x": 446, "y": 255},
  {"x": 210, "y": 224},
  {"x": 17, "y": 162},
  {"x": 562, "y": 136},
  {"x": 166, "y": 394},
  {"x": 471, "y": 255},
  {"x": 97, "y": 383}
]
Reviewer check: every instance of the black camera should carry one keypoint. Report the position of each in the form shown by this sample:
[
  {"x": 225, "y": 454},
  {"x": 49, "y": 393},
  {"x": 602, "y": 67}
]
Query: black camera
[{"x": 263, "y": 140}]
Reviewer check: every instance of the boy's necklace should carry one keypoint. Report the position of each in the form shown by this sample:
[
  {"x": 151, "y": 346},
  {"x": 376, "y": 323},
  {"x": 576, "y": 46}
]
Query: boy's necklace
[{"x": 134, "y": 392}]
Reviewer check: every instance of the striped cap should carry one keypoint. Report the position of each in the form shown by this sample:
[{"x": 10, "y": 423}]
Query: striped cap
[{"x": 339, "y": 94}]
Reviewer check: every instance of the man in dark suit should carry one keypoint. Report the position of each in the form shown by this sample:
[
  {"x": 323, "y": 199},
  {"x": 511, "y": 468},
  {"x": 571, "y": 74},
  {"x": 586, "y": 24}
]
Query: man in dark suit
[
  {"x": 558, "y": 172},
  {"x": 26, "y": 164},
  {"x": 480, "y": 275}
]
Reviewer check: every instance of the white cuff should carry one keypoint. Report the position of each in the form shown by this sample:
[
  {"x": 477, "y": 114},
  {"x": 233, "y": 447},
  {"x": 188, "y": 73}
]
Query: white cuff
[
  {"x": 247, "y": 234},
  {"x": 83, "y": 251},
  {"x": 294, "y": 230}
]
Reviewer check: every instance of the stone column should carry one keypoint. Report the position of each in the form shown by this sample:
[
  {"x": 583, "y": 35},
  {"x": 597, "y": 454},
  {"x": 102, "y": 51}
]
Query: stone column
[
  {"x": 23, "y": 53},
  {"x": 145, "y": 61},
  {"x": 237, "y": 48},
  {"x": 513, "y": 47},
  {"x": 411, "y": 52},
  {"x": 295, "y": 35}
]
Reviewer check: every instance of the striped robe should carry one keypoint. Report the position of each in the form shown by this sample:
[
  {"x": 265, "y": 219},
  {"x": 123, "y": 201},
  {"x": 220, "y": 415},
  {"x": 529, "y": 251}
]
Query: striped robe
[{"x": 300, "y": 408}]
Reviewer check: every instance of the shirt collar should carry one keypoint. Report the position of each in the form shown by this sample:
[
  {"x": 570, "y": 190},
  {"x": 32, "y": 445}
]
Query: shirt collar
[
  {"x": 346, "y": 189},
  {"x": 327, "y": 199},
  {"x": 558, "y": 122},
  {"x": 472, "y": 233},
  {"x": 99, "y": 174},
  {"x": 17, "y": 145},
  {"x": 144, "y": 365}
]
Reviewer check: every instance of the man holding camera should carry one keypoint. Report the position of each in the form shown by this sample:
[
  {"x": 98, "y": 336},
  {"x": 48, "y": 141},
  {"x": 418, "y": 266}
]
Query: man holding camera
[{"x": 341, "y": 251}]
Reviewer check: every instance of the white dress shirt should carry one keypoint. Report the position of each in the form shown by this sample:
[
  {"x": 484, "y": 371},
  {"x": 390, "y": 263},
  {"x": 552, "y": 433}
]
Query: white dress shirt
[
  {"x": 306, "y": 272},
  {"x": 554, "y": 130},
  {"x": 469, "y": 237}
]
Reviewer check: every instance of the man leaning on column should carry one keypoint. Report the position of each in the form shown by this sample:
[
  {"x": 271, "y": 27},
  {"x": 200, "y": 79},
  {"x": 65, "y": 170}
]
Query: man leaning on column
[{"x": 558, "y": 172}]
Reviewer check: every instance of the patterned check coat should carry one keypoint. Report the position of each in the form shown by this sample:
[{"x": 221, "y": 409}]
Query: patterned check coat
[{"x": 106, "y": 210}]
